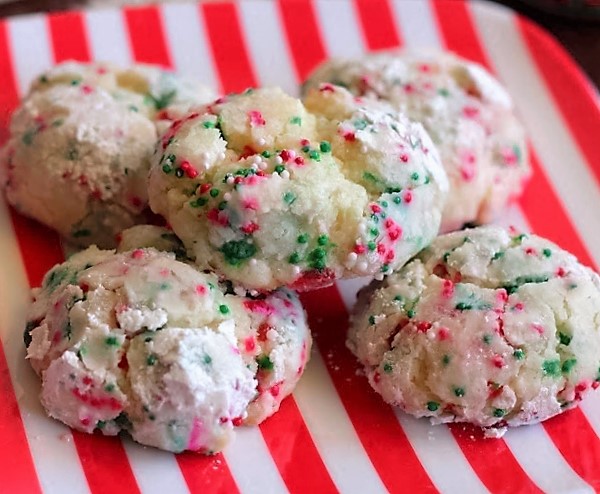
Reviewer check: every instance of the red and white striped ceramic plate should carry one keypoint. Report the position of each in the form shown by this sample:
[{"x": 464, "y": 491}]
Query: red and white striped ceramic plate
[{"x": 334, "y": 434}]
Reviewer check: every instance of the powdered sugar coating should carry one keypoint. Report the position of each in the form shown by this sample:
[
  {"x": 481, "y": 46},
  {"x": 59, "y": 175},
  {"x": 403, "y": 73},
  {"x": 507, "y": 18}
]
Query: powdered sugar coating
[
  {"x": 468, "y": 114},
  {"x": 140, "y": 342},
  {"x": 80, "y": 144},
  {"x": 268, "y": 192},
  {"x": 485, "y": 326}
]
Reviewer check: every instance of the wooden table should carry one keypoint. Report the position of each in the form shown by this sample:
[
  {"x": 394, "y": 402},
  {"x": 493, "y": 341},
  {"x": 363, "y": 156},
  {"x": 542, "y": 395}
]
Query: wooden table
[{"x": 581, "y": 38}]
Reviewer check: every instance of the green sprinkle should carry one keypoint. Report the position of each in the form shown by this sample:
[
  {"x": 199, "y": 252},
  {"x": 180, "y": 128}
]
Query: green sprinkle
[
  {"x": 214, "y": 192},
  {"x": 302, "y": 239},
  {"x": 289, "y": 197},
  {"x": 432, "y": 406},
  {"x": 374, "y": 232},
  {"x": 415, "y": 176},
  {"x": 314, "y": 155},
  {"x": 397, "y": 200},
  {"x": 207, "y": 359},
  {"x": 499, "y": 412},
  {"x": 398, "y": 298},
  {"x": 497, "y": 255},
  {"x": 446, "y": 359},
  {"x": 459, "y": 392},
  {"x": 237, "y": 251},
  {"x": 58, "y": 122},
  {"x": 463, "y": 306},
  {"x": 264, "y": 362},
  {"x": 133, "y": 108},
  {"x": 387, "y": 367},
  {"x": 443, "y": 92},
  {"x": 547, "y": 252},
  {"x": 279, "y": 168},
  {"x": 151, "y": 360},
  {"x": 323, "y": 240},
  {"x": 325, "y": 147},
  {"x": 517, "y": 151},
  {"x": 296, "y": 120},
  {"x": 487, "y": 339},
  {"x": 75, "y": 82},
  {"x": 266, "y": 154},
  {"x": 371, "y": 245},
  {"x": 360, "y": 124},
  {"x": 208, "y": 124},
  {"x": 294, "y": 258},
  {"x": 111, "y": 341},
  {"x": 72, "y": 153},
  {"x": 551, "y": 368},
  {"x": 109, "y": 388},
  {"x": 564, "y": 338},
  {"x": 410, "y": 313},
  {"x": 568, "y": 365},
  {"x": 371, "y": 320},
  {"x": 199, "y": 202},
  {"x": 519, "y": 354},
  {"x": 100, "y": 424},
  {"x": 305, "y": 149},
  {"x": 223, "y": 309},
  {"x": 163, "y": 100},
  {"x": 222, "y": 205},
  {"x": 28, "y": 137}
]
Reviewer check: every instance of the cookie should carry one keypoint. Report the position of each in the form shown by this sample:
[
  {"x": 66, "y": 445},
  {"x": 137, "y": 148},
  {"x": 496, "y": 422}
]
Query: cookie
[
  {"x": 268, "y": 192},
  {"x": 485, "y": 326},
  {"x": 140, "y": 342},
  {"x": 78, "y": 156},
  {"x": 468, "y": 114}
]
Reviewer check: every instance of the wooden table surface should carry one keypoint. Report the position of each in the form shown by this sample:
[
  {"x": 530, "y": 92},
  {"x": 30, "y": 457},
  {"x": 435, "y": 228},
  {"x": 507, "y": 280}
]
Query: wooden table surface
[{"x": 581, "y": 38}]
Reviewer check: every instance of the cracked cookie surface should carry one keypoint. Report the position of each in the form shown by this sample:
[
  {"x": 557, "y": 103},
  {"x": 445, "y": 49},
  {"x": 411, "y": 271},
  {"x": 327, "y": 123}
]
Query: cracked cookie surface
[{"x": 485, "y": 326}]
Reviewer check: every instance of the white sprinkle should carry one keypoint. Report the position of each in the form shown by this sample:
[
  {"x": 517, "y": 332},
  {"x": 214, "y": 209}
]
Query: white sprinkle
[
  {"x": 253, "y": 293},
  {"x": 352, "y": 257},
  {"x": 362, "y": 266},
  {"x": 261, "y": 141},
  {"x": 263, "y": 165},
  {"x": 278, "y": 160},
  {"x": 296, "y": 270},
  {"x": 256, "y": 159},
  {"x": 362, "y": 228},
  {"x": 378, "y": 276},
  {"x": 285, "y": 174},
  {"x": 227, "y": 195},
  {"x": 254, "y": 166},
  {"x": 230, "y": 179},
  {"x": 252, "y": 262}
]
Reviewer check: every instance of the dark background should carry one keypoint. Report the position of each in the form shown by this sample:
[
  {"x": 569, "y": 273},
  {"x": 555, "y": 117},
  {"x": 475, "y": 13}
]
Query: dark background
[{"x": 581, "y": 37}]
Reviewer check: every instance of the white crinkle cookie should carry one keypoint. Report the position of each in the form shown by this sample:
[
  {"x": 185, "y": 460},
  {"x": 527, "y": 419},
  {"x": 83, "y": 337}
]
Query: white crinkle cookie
[
  {"x": 140, "y": 342},
  {"x": 78, "y": 156},
  {"x": 468, "y": 114},
  {"x": 485, "y": 326},
  {"x": 268, "y": 192}
]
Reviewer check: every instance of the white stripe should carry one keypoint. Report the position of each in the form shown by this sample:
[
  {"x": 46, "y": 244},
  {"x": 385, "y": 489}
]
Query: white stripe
[
  {"x": 538, "y": 456},
  {"x": 267, "y": 45},
  {"x": 441, "y": 456},
  {"x": 50, "y": 443},
  {"x": 563, "y": 162},
  {"x": 340, "y": 28},
  {"x": 251, "y": 464},
  {"x": 156, "y": 471},
  {"x": 417, "y": 25},
  {"x": 108, "y": 37},
  {"x": 333, "y": 432},
  {"x": 29, "y": 39},
  {"x": 187, "y": 39},
  {"x": 591, "y": 408}
]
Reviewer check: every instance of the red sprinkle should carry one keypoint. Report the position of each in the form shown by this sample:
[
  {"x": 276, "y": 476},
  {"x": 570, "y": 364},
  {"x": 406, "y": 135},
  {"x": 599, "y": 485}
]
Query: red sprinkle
[
  {"x": 256, "y": 118},
  {"x": 376, "y": 377},
  {"x": 404, "y": 158},
  {"x": 274, "y": 390},
  {"x": 349, "y": 136},
  {"x": 262, "y": 331},
  {"x": 443, "y": 334},
  {"x": 530, "y": 251},
  {"x": 287, "y": 155},
  {"x": 560, "y": 272},
  {"x": 200, "y": 289},
  {"x": 87, "y": 89},
  {"x": 205, "y": 188},
  {"x": 326, "y": 87},
  {"x": 376, "y": 208},
  {"x": 189, "y": 170},
  {"x": 299, "y": 160},
  {"x": 470, "y": 111},
  {"x": 423, "y": 326},
  {"x": 250, "y": 228},
  {"x": 538, "y": 328},
  {"x": 407, "y": 196},
  {"x": 498, "y": 361},
  {"x": 237, "y": 421},
  {"x": 448, "y": 289},
  {"x": 249, "y": 344},
  {"x": 360, "y": 249},
  {"x": 137, "y": 254}
]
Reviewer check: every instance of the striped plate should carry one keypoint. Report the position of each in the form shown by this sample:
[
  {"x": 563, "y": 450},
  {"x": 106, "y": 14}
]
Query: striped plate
[{"x": 334, "y": 434}]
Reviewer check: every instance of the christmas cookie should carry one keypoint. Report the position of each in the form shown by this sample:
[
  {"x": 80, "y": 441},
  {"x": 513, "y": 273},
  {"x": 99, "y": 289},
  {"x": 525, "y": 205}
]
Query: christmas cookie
[
  {"x": 268, "y": 192},
  {"x": 78, "y": 156},
  {"x": 139, "y": 342},
  {"x": 468, "y": 114},
  {"x": 485, "y": 326}
]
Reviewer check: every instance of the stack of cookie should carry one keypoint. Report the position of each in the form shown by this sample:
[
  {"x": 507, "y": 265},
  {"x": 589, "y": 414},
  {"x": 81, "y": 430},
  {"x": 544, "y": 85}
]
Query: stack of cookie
[{"x": 191, "y": 327}]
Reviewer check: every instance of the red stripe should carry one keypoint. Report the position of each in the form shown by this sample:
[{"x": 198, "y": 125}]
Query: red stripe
[
  {"x": 377, "y": 21},
  {"x": 18, "y": 471},
  {"x": 294, "y": 451},
  {"x": 105, "y": 464},
  {"x": 9, "y": 94},
  {"x": 147, "y": 35},
  {"x": 547, "y": 216},
  {"x": 378, "y": 429},
  {"x": 206, "y": 473},
  {"x": 571, "y": 92},
  {"x": 69, "y": 40},
  {"x": 465, "y": 42},
  {"x": 572, "y": 435},
  {"x": 491, "y": 458},
  {"x": 303, "y": 36},
  {"x": 229, "y": 51}
]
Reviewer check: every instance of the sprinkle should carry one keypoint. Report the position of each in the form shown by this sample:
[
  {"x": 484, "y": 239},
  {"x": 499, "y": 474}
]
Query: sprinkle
[
  {"x": 325, "y": 147},
  {"x": 256, "y": 119},
  {"x": 237, "y": 251},
  {"x": 264, "y": 362},
  {"x": 223, "y": 309},
  {"x": 499, "y": 412},
  {"x": 387, "y": 368},
  {"x": 564, "y": 338},
  {"x": 214, "y": 192},
  {"x": 137, "y": 254},
  {"x": 498, "y": 361},
  {"x": 551, "y": 368},
  {"x": 547, "y": 252},
  {"x": 294, "y": 258},
  {"x": 519, "y": 354},
  {"x": 151, "y": 360},
  {"x": 446, "y": 359},
  {"x": 432, "y": 406},
  {"x": 568, "y": 365},
  {"x": 459, "y": 392},
  {"x": 323, "y": 240},
  {"x": 111, "y": 341},
  {"x": 296, "y": 120},
  {"x": 302, "y": 239}
]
